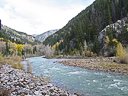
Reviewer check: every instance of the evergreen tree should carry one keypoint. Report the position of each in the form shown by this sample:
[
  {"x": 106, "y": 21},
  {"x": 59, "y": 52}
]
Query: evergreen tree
[
  {"x": 96, "y": 46},
  {"x": 70, "y": 51},
  {"x": 7, "y": 49},
  {"x": 110, "y": 35},
  {"x": 81, "y": 51},
  {"x": 108, "y": 16},
  {"x": 81, "y": 36}
]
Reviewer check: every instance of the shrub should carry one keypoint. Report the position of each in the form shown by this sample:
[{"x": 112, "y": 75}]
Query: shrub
[
  {"x": 112, "y": 53},
  {"x": 13, "y": 61},
  {"x": 0, "y": 66},
  {"x": 17, "y": 58},
  {"x": 17, "y": 66},
  {"x": 121, "y": 54},
  {"x": 88, "y": 53},
  {"x": 1, "y": 59}
]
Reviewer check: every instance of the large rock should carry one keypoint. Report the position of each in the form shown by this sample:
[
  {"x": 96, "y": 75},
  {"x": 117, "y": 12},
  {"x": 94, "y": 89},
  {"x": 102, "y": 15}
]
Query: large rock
[{"x": 117, "y": 28}]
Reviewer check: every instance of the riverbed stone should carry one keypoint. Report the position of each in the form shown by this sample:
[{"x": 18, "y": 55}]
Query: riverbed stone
[
  {"x": 21, "y": 83},
  {"x": 51, "y": 90},
  {"x": 44, "y": 92}
]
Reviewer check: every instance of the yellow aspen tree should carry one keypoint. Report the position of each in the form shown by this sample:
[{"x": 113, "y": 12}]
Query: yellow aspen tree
[
  {"x": 107, "y": 41},
  {"x": 115, "y": 40},
  {"x": 13, "y": 48},
  {"x": 121, "y": 53},
  {"x": 19, "y": 48}
]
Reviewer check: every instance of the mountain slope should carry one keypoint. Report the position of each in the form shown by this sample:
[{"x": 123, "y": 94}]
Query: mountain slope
[
  {"x": 16, "y": 36},
  {"x": 88, "y": 24},
  {"x": 34, "y": 35},
  {"x": 44, "y": 35}
]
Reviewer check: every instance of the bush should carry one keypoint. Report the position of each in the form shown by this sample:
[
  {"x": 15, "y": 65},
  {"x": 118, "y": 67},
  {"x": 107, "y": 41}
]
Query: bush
[
  {"x": 112, "y": 53},
  {"x": 18, "y": 66},
  {"x": 0, "y": 66},
  {"x": 121, "y": 54},
  {"x": 1, "y": 59},
  {"x": 88, "y": 53},
  {"x": 13, "y": 61}
]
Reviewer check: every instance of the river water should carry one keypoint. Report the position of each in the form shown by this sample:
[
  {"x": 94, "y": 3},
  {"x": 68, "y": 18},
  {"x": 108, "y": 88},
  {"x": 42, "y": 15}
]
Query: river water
[{"x": 78, "y": 80}]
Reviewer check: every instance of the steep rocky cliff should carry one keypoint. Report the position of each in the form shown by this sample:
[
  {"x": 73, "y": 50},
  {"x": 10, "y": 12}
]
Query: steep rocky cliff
[{"x": 119, "y": 31}]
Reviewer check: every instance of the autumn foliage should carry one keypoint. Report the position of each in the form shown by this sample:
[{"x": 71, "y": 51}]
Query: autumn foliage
[{"x": 121, "y": 53}]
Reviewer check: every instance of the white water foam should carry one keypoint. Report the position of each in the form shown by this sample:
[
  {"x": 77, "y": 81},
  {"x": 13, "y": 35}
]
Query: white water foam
[
  {"x": 54, "y": 68},
  {"x": 116, "y": 80},
  {"x": 77, "y": 72},
  {"x": 98, "y": 73},
  {"x": 109, "y": 76},
  {"x": 115, "y": 85},
  {"x": 124, "y": 88},
  {"x": 46, "y": 71},
  {"x": 95, "y": 81},
  {"x": 100, "y": 88},
  {"x": 41, "y": 66}
]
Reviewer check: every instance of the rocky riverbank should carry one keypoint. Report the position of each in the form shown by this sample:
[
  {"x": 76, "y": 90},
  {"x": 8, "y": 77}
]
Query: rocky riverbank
[
  {"x": 98, "y": 65},
  {"x": 19, "y": 83}
]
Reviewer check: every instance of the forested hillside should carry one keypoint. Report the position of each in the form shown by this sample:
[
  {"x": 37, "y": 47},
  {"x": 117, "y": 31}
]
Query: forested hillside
[
  {"x": 87, "y": 25},
  {"x": 16, "y": 36},
  {"x": 15, "y": 43}
]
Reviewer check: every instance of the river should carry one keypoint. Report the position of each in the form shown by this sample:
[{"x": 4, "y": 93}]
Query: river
[{"x": 78, "y": 80}]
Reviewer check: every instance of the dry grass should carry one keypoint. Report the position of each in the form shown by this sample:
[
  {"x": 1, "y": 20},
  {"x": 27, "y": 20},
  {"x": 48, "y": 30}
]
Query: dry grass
[
  {"x": 0, "y": 66},
  {"x": 88, "y": 53},
  {"x": 1, "y": 59},
  {"x": 48, "y": 79},
  {"x": 112, "y": 66},
  {"x": 18, "y": 66},
  {"x": 121, "y": 54},
  {"x": 13, "y": 61}
]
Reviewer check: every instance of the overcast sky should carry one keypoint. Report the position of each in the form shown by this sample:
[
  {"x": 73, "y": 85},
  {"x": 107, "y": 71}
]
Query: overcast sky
[{"x": 38, "y": 16}]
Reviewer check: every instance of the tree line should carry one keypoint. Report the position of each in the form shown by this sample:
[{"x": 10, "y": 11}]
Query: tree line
[{"x": 9, "y": 48}]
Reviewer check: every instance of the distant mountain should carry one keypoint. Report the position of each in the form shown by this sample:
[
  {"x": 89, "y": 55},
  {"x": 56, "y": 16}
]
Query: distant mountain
[
  {"x": 44, "y": 35},
  {"x": 16, "y": 36},
  {"x": 34, "y": 35}
]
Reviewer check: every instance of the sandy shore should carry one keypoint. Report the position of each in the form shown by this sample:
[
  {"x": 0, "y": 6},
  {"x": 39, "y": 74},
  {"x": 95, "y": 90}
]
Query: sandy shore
[{"x": 98, "y": 65}]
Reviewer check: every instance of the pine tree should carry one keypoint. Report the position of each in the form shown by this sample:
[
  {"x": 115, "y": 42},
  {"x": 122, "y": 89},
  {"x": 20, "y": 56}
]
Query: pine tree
[
  {"x": 110, "y": 35},
  {"x": 81, "y": 35},
  {"x": 70, "y": 51},
  {"x": 108, "y": 16},
  {"x": 7, "y": 49},
  {"x": 96, "y": 46}
]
